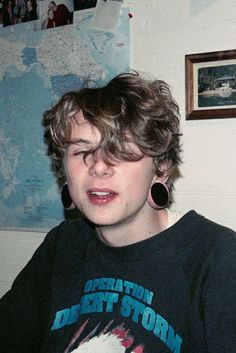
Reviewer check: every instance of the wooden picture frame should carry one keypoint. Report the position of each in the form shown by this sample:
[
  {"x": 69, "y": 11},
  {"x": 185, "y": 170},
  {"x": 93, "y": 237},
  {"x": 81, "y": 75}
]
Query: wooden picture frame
[{"x": 210, "y": 84}]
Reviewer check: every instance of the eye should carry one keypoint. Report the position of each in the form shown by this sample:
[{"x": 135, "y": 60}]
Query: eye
[{"x": 79, "y": 153}]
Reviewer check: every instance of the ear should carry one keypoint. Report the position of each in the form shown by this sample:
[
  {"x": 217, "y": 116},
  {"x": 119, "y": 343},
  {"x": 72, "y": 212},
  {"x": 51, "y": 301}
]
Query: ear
[{"x": 164, "y": 167}]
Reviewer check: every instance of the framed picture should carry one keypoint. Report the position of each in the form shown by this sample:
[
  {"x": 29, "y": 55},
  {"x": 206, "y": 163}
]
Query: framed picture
[{"x": 210, "y": 82}]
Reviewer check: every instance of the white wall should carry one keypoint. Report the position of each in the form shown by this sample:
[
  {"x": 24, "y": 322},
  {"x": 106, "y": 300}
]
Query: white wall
[
  {"x": 16, "y": 249},
  {"x": 164, "y": 31}
]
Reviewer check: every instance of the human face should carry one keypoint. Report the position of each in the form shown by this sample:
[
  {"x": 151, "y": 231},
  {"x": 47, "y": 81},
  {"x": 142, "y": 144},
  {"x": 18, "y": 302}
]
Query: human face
[
  {"x": 51, "y": 6},
  {"x": 50, "y": 14},
  {"x": 110, "y": 195}
]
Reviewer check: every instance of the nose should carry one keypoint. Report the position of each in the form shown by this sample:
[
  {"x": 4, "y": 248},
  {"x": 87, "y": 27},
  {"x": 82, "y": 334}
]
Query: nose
[{"x": 100, "y": 167}]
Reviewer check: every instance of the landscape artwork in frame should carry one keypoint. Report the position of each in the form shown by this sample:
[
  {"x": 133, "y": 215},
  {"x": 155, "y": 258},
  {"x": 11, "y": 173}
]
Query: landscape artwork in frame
[{"x": 210, "y": 82}]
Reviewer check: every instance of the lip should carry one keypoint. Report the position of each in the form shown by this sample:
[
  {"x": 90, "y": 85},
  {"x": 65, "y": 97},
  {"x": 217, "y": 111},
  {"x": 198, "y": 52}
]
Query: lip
[{"x": 101, "y": 196}]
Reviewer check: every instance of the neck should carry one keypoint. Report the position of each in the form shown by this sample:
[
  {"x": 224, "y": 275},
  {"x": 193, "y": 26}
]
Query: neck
[{"x": 134, "y": 231}]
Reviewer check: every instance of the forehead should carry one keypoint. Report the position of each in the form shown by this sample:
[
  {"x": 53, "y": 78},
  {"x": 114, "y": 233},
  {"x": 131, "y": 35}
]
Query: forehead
[{"x": 82, "y": 129}]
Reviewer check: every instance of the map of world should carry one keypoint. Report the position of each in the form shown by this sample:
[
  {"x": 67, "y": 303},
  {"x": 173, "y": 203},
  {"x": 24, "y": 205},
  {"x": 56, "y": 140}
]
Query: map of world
[{"x": 36, "y": 68}]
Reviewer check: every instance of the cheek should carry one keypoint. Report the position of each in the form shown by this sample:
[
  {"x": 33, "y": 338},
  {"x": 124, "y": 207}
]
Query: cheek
[
  {"x": 71, "y": 163},
  {"x": 140, "y": 182},
  {"x": 71, "y": 170},
  {"x": 144, "y": 175}
]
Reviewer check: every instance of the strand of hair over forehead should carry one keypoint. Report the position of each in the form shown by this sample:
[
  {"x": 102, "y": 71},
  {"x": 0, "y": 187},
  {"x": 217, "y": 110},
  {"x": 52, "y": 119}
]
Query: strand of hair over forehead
[{"x": 62, "y": 113}]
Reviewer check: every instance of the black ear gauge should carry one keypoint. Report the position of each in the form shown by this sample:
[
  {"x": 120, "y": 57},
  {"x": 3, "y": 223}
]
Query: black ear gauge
[
  {"x": 66, "y": 198},
  {"x": 160, "y": 195}
]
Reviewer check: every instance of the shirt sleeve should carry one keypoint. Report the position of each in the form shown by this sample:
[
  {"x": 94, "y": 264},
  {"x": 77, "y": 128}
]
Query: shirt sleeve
[
  {"x": 24, "y": 308},
  {"x": 219, "y": 297}
]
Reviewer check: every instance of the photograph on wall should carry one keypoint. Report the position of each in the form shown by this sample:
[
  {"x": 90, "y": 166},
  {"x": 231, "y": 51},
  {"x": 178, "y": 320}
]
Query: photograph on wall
[
  {"x": 56, "y": 13},
  {"x": 19, "y": 11},
  {"x": 84, "y": 4},
  {"x": 37, "y": 68},
  {"x": 211, "y": 85},
  {"x": 216, "y": 85}
]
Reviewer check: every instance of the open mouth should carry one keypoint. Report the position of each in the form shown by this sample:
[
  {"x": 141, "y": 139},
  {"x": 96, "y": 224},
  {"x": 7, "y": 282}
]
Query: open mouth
[
  {"x": 101, "y": 193},
  {"x": 101, "y": 197}
]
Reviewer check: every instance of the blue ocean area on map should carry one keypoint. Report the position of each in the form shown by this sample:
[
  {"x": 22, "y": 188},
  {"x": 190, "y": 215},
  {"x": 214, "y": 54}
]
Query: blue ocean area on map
[
  {"x": 36, "y": 68},
  {"x": 65, "y": 83}
]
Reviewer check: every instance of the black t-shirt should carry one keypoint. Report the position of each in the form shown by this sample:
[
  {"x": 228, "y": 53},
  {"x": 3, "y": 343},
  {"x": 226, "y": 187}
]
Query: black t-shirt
[{"x": 173, "y": 292}]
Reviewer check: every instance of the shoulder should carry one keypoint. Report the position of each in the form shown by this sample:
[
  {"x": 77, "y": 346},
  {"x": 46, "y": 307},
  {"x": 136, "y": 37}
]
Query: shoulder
[
  {"x": 197, "y": 229},
  {"x": 201, "y": 242},
  {"x": 62, "y": 6}
]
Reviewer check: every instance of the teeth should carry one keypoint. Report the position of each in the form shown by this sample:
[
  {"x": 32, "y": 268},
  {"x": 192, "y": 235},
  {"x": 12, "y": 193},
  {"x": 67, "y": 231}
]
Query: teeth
[{"x": 100, "y": 193}]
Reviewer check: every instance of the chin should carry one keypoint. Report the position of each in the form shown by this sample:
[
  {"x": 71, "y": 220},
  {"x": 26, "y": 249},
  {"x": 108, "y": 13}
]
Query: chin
[
  {"x": 102, "y": 216},
  {"x": 102, "y": 221}
]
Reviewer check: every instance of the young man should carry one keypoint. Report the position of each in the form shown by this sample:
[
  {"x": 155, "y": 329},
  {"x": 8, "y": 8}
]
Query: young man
[{"x": 130, "y": 276}]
